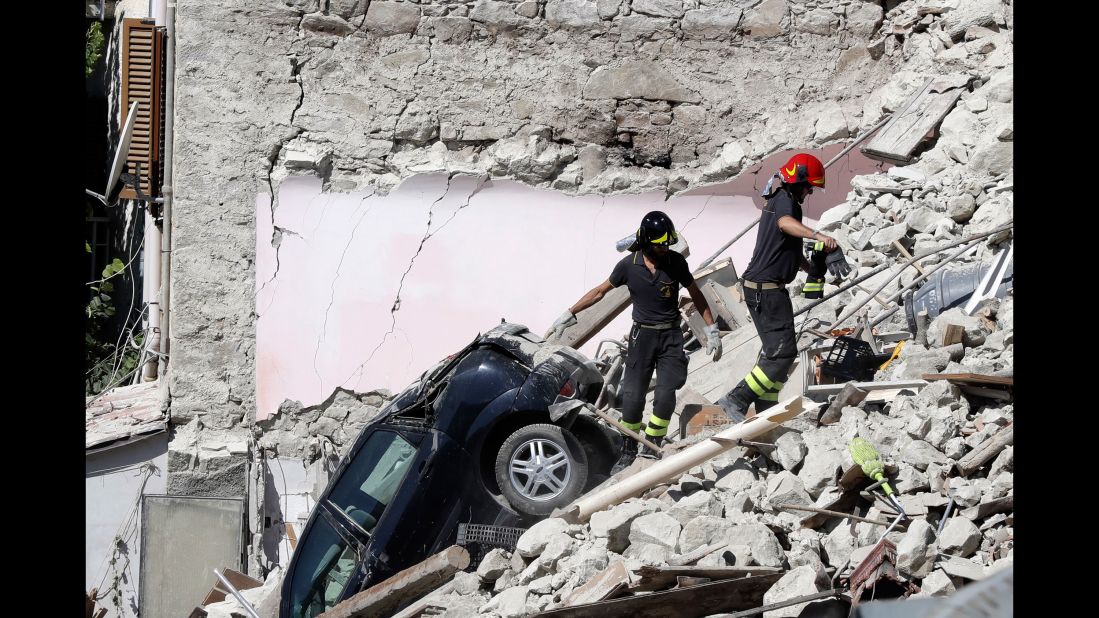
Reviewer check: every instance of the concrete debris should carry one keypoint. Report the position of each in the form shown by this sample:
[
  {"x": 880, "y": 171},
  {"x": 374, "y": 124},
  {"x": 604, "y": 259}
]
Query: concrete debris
[{"x": 607, "y": 103}]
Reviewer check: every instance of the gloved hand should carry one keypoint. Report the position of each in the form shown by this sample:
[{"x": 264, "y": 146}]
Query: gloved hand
[
  {"x": 713, "y": 340},
  {"x": 566, "y": 320},
  {"x": 837, "y": 264},
  {"x": 814, "y": 287}
]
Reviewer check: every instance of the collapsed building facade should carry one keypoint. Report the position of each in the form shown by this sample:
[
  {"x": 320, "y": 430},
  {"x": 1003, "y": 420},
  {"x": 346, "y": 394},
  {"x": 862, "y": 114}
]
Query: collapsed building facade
[{"x": 313, "y": 137}]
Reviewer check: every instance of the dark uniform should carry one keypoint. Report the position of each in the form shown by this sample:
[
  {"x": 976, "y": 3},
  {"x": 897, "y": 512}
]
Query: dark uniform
[
  {"x": 656, "y": 342},
  {"x": 774, "y": 264}
]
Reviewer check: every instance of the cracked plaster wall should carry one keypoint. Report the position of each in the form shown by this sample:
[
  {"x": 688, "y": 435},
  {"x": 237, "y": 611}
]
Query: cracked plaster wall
[{"x": 578, "y": 96}]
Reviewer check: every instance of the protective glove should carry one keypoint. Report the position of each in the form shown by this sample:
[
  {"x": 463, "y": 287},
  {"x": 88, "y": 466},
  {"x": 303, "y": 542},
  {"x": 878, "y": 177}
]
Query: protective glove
[
  {"x": 566, "y": 320},
  {"x": 837, "y": 264},
  {"x": 713, "y": 340},
  {"x": 814, "y": 287}
]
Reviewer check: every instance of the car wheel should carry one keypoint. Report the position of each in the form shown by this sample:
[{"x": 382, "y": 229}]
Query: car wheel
[{"x": 540, "y": 468}]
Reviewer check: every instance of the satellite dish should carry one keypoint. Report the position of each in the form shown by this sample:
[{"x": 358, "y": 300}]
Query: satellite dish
[{"x": 119, "y": 155}]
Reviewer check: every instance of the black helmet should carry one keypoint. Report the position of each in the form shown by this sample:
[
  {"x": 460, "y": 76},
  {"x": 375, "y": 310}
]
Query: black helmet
[{"x": 656, "y": 229}]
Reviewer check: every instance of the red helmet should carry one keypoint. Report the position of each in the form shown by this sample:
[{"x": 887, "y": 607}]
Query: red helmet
[{"x": 803, "y": 167}]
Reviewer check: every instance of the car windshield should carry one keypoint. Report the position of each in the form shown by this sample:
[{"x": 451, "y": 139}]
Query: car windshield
[
  {"x": 328, "y": 556},
  {"x": 372, "y": 478}
]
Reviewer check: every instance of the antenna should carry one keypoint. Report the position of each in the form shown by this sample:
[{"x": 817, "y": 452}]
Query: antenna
[{"x": 119, "y": 155}]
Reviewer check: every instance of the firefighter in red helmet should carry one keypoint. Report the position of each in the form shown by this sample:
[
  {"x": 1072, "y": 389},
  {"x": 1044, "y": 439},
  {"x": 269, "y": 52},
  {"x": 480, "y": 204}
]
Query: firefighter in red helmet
[{"x": 775, "y": 261}]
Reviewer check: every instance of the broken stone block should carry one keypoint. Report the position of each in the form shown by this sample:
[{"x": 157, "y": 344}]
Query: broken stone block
[
  {"x": 542, "y": 585},
  {"x": 739, "y": 478},
  {"x": 614, "y": 524},
  {"x": 559, "y": 545},
  {"x": 821, "y": 469},
  {"x": 698, "y": 504},
  {"x": 764, "y": 545},
  {"x": 911, "y": 480},
  {"x": 572, "y": 14},
  {"x": 511, "y": 603},
  {"x": 497, "y": 16},
  {"x": 765, "y": 19},
  {"x": 920, "y": 454},
  {"x": 864, "y": 18},
  {"x": 955, "y": 448},
  {"x": 937, "y": 584},
  {"x": 885, "y": 236},
  {"x": 658, "y": 8},
  {"x": 710, "y": 23},
  {"x": 796, "y": 583},
  {"x": 839, "y": 544},
  {"x": 534, "y": 540},
  {"x": 466, "y": 583},
  {"x": 493, "y": 565},
  {"x": 967, "y": 492},
  {"x": 785, "y": 488},
  {"x": 917, "y": 551},
  {"x": 790, "y": 450},
  {"x": 649, "y": 553},
  {"x": 738, "y": 503},
  {"x": 831, "y": 123},
  {"x": 960, "y": 537},
  {"x": 1004, "y": 462},
  {"x": 656, "y": 528},
  {"x": 701, "y": 531},
  {"x": 585, "y": 563},
  {"x": 391, "y": 18}
]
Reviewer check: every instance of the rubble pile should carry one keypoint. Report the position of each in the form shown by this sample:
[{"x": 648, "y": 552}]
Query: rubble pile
[{"x": 947, "y": 453}]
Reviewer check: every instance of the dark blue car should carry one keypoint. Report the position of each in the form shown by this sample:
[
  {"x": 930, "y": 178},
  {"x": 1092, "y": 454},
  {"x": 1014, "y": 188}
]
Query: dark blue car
[{"x": 495, "y": 434}]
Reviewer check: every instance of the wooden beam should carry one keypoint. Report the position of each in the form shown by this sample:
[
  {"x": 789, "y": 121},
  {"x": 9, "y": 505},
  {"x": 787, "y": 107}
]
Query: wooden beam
[
  {"x": 971, "y": 378},
  {"x": 986, "y": 451},
  {"x": 659, "y": 578},
  {"x": 820, "y": 391},
  {"x": 693, "y": 602},
  {"x": 907, "y": 255},
  {"x": 953, "y": 333},
  {"x": 429, "y": 599},
  {"x": 408, "y": 585},
  {"x": 984, "y": 509}
]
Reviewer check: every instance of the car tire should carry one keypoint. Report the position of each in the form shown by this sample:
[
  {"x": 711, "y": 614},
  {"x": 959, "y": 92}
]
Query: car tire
[{"x": 540, "y": 468}]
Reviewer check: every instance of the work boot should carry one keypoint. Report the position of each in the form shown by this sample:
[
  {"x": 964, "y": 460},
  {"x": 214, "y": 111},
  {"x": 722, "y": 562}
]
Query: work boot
[
  {"x": 733, "y": 407},
  {"x": 629, "y": 453},
  {"x": 644, "y": 451}
]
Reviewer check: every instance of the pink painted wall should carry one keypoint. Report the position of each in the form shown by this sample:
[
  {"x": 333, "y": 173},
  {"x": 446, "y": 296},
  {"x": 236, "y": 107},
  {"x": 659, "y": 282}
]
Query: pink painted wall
[{"x": 497, "y": 249}]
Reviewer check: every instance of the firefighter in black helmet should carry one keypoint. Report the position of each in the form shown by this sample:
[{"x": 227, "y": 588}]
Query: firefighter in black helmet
[{"x": 653, "y": 273}]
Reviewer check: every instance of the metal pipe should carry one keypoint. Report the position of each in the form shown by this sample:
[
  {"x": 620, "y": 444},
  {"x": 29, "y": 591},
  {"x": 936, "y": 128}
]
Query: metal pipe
[
  {"x": 878, "y": 319},
  {"x": 236, "y": 595},
  {"x": 673, "y": 466},
  {"x": 751, "y": 225},
  {"x": 167, "y": 192},
  {"x": 151, "y": 284},
  {"x": 913, "y": 260}
]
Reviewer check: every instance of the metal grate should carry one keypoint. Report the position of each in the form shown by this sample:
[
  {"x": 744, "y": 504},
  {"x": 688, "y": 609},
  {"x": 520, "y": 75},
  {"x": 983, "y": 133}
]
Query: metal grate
[{"x": 479, "y": 539}]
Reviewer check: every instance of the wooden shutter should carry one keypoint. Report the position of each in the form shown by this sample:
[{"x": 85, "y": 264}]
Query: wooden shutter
[{"x": 143, "y": 81}]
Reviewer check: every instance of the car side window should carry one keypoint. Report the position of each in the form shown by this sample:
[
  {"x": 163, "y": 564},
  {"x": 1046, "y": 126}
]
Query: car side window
[{"x": 373, "y": 477}]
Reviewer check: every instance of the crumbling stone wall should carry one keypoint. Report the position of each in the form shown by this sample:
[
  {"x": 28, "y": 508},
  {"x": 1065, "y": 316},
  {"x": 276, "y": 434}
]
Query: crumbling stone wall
[
  {"x": 576, "y": 95},
  {"x": 622, "y": 95}
]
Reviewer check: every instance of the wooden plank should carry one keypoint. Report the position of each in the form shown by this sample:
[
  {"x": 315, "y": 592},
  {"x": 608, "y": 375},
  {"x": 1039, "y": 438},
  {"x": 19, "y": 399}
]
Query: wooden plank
[
  {"x": 429, "y": 600},
  {"x": 818, "y": 392},
  {"x": 605, "y": 583},
  {"x": 693, "y": 602},
  {"x": 592, "y": 320},
  {"x": 291, "y": 535},
  {"x": 658, "y": 578},
  {"x": 922, "y": 114},
  {"x": 849, "y": 395},
  {"x": 953, "y": 333},
  {"x": 971, "y": 378},
  {"x": 986, "y": 451},
  {"x": 984, "y": 391},
  {"x": 411, "y": 583},
  {"x": 725, "y": 304}
]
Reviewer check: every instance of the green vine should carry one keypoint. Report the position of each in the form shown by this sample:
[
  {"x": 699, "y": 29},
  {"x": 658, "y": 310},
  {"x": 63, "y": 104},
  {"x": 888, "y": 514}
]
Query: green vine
[
  {"x": 93, "y": 47},
  {"x": 101, "y": 353}
]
